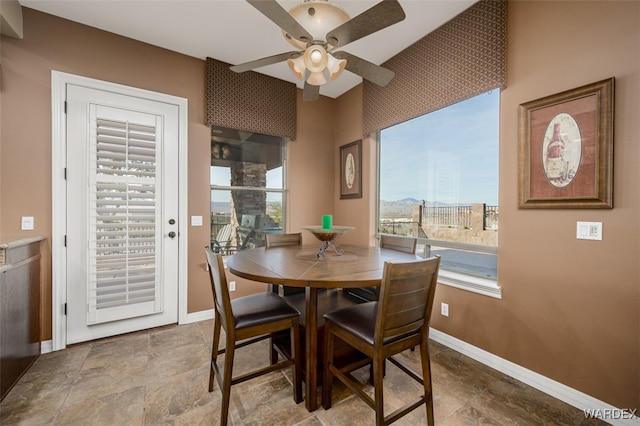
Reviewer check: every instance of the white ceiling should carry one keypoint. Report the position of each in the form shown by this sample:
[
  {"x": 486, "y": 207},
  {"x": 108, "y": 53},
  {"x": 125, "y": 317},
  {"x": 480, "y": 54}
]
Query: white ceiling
[{"x": 233, "y": 31}]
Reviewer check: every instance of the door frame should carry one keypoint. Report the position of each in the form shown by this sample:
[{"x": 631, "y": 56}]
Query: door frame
[{"x": 59, "y": 81}]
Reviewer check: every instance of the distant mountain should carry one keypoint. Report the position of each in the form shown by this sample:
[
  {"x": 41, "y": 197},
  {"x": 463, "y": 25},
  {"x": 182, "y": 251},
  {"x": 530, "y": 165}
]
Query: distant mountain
[
  {"x": 398, "y": 208},
  {"x": 409, "y": 200}
]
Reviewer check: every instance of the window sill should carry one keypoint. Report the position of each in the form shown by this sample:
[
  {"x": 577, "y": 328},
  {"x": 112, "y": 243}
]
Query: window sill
[{"x": 470, "y": 283}]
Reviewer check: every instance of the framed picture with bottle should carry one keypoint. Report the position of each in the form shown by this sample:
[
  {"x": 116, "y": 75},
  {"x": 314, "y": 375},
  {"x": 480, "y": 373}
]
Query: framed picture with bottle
[{"x": 565, "y": 149}]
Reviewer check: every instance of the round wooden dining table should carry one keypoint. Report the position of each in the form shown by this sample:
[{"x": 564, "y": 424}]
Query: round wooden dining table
[{"x": 300, "y": 266}]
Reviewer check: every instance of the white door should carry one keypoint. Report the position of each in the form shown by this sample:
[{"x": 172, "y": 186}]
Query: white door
[{"x": 122, "y": 213}]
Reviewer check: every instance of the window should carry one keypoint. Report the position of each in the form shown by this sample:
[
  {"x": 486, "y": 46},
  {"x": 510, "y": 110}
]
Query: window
[
  {"x": 247, "y": 189},
  {"x": 439, "y": 182}
]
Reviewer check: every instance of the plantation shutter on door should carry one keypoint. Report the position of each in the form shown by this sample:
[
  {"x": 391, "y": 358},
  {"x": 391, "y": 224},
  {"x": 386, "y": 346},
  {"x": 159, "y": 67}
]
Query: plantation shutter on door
[{"x": 124, "y": 217}]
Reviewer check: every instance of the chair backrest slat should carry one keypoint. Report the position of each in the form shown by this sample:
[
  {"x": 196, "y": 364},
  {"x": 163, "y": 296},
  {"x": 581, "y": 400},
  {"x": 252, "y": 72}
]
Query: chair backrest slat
[
  {"x": 221, "y": 298},
  {"x": 398, "y": 243},
  {"x": 406, "y": 297},
  {"x": 224, "y": 234},
  {"x": 280, "y": 240}
]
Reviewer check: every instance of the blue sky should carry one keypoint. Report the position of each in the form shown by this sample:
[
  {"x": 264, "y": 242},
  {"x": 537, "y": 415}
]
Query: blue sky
[{"x": 449, "y": 155}]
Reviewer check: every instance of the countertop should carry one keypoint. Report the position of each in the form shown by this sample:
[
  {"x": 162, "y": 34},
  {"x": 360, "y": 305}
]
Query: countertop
[{"x": 8, "y": 242}]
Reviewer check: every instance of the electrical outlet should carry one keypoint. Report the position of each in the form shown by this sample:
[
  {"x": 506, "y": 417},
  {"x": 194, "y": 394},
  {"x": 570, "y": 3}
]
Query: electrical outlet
[
  {"x": 232, "y": 286},
  {"x": 444, "y": 309}
]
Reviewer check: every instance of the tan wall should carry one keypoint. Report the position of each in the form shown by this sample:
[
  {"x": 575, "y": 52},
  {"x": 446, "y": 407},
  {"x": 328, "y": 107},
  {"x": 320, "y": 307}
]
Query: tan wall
[
  {"x": 570, "y": 309},
  {"x": 310, "y": 167},
  {"x": 51, "y": 43},
  {"x": 349, "y": 212}
]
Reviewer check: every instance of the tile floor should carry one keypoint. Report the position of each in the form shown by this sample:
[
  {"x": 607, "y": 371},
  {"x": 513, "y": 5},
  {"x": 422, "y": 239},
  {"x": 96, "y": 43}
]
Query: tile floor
[{"x": 160, "y": 376}]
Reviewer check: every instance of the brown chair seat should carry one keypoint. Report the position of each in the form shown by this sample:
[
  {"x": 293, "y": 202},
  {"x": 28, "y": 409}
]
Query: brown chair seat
[
  {"x": 358, "y": 321},
  {"x": 259, "y": 309}
]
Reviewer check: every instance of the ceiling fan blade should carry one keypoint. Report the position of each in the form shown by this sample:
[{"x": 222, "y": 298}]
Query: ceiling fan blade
[
  {"x": 380, "y": 16},
  {"x": 310, "y": 92},
  {"x": 367, "y": 70},
  {"x": 279, "y": 16},
  {"x": 247, "y": 66}
]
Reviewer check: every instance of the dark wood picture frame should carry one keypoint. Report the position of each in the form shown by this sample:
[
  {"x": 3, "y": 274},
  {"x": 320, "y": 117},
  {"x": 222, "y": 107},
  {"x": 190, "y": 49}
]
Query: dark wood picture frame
[
  {"x": 565, "y": 155},
  {"x": 351, "y": 170}
]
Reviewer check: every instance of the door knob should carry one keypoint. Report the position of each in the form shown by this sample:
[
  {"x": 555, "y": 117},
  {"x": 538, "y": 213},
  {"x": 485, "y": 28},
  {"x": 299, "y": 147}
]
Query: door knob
[{"x": 172, "y": 234}]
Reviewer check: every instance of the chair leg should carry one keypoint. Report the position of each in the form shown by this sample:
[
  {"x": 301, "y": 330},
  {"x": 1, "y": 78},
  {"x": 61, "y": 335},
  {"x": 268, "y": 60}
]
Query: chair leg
[
  {"x": 426, "y": 376},
  {"x": 384, "y": 371},
  {"x": 327, "y": 380},
  {"x": 274, "y": 352},
  {"x": 296, "y": 350},
  {"x": 214, "y": 350},
  {"x": 226, "y": 381},
  {"x": 378, "y": 375}
]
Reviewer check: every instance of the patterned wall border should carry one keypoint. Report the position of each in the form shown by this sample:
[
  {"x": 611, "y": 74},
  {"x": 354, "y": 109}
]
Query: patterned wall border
[
  {"x": 463, "y": 58},
  {"x": 249, "y": 101}
]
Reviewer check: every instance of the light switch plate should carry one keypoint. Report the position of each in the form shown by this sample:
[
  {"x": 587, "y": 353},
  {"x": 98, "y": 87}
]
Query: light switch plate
[
  {"x": 196, "y": 220},
  {"x": 444, "y": 309},
  {"x": 589, "y": 231},
  {"x": 27, "y": 223}
]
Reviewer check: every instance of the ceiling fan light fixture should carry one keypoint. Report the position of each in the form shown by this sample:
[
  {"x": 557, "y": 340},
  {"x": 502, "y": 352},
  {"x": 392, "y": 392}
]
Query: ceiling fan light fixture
[
  {"x": 297, "y": 67},
  {"x": 317, "y": 79},
  {"x": 335, "y": 66},
  {"x": 318, "y": 17},
  {"x": 317, "y": 27},
  {"x": 315, "y": 58}
]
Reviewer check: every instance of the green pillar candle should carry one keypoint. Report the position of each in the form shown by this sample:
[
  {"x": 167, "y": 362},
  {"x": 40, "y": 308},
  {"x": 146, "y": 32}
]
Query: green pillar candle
[{"x": 327, "y": 221}]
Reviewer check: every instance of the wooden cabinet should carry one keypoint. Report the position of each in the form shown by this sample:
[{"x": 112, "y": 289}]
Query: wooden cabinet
[{"x": 20, "y": 322}]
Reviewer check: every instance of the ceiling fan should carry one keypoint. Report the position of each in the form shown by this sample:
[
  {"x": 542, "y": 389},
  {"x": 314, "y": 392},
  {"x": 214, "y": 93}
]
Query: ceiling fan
[{"x": 317, "y": 28}]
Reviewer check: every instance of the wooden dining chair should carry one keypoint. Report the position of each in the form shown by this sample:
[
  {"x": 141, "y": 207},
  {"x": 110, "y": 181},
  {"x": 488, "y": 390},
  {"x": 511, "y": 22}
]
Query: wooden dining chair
[
  {"x": 381, "y": 329},
  {"x": 281, "y": 240},
  {"x": 399, "y": 243},
  {"x": 392, "y": 242},
  {"x": 247, "y": 320}
]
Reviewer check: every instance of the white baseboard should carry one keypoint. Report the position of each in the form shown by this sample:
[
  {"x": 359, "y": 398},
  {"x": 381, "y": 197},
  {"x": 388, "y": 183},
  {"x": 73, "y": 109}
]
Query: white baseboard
[
  {"x": 562, "y": 392},
  {"x": 198, "y": 316},
  {"x": 46, "y": 346}
]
